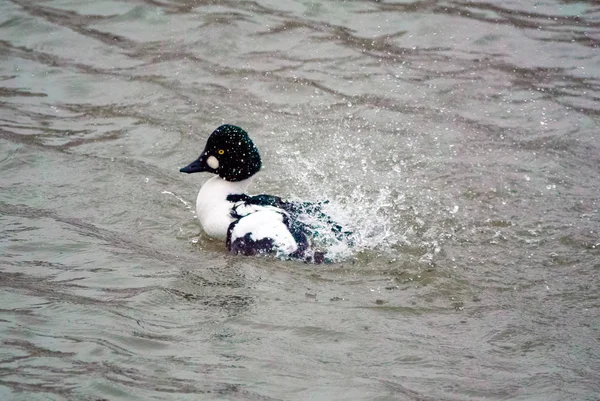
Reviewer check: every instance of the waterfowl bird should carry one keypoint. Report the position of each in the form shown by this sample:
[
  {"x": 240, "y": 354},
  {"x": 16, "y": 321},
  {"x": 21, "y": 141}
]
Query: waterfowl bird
[{"x": 257, "y": 224}]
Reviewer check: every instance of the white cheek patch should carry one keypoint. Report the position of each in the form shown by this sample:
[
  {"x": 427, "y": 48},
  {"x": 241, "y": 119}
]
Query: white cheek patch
[{"x": 212, "y": 162}]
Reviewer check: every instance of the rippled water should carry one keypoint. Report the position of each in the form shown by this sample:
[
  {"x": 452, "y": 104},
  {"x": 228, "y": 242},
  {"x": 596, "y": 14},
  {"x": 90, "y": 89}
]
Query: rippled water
[{"x": 458, "y": 139}]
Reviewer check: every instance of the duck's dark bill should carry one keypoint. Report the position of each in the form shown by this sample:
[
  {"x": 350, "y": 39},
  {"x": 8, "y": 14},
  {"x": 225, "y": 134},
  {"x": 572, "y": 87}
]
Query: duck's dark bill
[{"x": 196, "y": 166}]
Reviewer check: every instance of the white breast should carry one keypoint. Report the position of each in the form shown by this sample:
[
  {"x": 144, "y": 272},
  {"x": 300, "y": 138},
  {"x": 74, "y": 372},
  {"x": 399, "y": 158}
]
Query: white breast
[{"x": 212, "y": 207}]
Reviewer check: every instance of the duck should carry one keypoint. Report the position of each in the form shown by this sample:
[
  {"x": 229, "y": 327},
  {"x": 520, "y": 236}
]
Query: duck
[{"x": 258, "y": 224}]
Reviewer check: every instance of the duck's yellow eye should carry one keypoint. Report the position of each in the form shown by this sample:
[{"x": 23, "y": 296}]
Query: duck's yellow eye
[{"x": 221, "y": 151}]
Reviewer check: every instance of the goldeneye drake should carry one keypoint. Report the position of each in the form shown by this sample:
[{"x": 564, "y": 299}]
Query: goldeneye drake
[{"x": 257, "y": 224}]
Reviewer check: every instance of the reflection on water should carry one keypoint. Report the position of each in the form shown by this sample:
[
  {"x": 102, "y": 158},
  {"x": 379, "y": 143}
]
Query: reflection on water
[{"x": 459, "y": 139}]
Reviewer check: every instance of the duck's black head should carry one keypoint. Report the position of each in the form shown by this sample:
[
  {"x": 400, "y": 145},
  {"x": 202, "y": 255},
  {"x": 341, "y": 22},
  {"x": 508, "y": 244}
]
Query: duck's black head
[{"x": 230, "y": 153}]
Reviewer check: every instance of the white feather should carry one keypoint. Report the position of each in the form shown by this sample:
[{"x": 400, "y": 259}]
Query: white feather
[
  {"x": 212, "y": 207},
  {"x": 266, "y": 223}
]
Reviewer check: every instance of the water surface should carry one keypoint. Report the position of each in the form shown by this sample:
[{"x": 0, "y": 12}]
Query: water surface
[{"x": 459, "y": 140}]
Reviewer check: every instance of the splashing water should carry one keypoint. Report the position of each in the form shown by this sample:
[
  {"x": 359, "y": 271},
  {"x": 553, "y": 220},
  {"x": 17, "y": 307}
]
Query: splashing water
[
  {"x": 378, "y": 224},
  {"x": 367, "y": 214},
  {"x": 384, "y": 221},
  {"x": 365, "y": 220}
]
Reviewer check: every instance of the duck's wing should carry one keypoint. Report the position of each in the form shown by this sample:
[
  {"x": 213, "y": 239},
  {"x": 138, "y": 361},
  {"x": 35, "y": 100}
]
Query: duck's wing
[
  {"x": 246, "y": 204},
  {"x": 265, "y": 229}
]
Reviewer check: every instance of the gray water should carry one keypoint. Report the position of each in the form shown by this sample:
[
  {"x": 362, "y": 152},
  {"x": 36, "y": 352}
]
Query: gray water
[{"x": 458, "y": 140}]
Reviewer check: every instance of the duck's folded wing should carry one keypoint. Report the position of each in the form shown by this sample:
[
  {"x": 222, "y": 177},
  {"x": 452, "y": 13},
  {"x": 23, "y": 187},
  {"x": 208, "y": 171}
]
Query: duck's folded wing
[
  {"x": 290, "y": 207},
  {"x": 265, "y": 229},
  {"x": 246, "y": 204}
]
